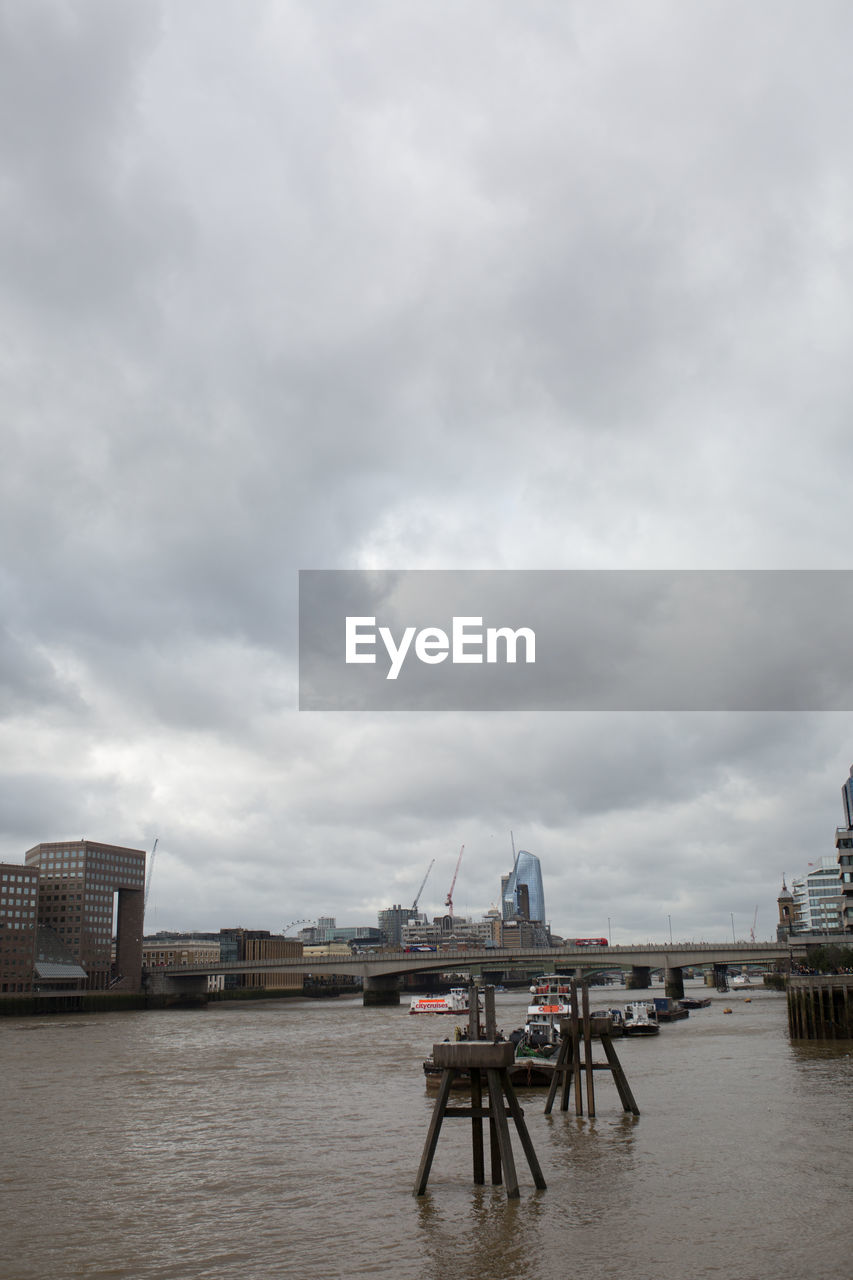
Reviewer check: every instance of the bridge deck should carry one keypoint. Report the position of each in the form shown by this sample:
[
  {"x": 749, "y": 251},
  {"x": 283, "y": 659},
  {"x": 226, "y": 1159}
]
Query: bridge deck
[{"x": 546, "y": 959}]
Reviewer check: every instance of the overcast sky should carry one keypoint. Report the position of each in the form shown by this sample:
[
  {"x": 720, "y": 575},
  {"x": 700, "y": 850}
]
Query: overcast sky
[{"x": 411, "y": 285}]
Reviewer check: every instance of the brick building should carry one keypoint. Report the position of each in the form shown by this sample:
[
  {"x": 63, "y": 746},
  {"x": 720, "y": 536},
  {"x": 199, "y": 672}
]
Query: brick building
[
  {"x": 80, "y": 881},
  {"x": 19, "y": 886}
]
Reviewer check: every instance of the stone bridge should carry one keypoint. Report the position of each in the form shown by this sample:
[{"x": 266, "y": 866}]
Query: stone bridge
[{"x": 380, "y": 972}]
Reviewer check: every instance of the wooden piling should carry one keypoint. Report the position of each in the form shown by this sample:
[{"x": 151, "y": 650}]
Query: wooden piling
[
  {"x": 476, "y": 1059},
  {"x": 587, "y": 1051},
  {"x": 569, "y": 1064},
  {"x": 819, "y": 1007},
  {"x": 576, "y": 1057}
]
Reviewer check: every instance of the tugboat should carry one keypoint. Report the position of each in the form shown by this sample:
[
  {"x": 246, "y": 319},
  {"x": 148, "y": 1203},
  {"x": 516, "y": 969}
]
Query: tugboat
[{"x": 641, "y": 1019}]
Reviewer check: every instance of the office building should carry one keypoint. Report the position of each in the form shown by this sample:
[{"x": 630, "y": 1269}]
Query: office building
[
  {"x": 522, "y": 894},
  {"x": 19, "y": 887},
  {"x": 448, "y": 932},
  {"x": 818, "y": 898},
  {"x": 358, "y": 935},
  {"x": 83, "y": 886},
  {"x": 260, "y": 944},
  {"x": 392, "y": 921}
]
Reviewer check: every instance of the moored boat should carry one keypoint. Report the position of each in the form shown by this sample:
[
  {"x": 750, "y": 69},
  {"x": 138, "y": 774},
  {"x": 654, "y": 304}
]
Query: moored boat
[
  {"x": 695, "y": 1002},
  {"x": 550, "y": 1005},
  {"x": 640, "y": 1018},
  {"x": 669, "y": 1010}
]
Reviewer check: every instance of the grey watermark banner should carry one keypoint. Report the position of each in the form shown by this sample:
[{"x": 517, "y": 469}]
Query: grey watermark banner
[{"x": 575, "y": 640}]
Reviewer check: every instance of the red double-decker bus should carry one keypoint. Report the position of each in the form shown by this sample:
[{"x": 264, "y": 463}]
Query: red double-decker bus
[{"x": 591, "y": 942}]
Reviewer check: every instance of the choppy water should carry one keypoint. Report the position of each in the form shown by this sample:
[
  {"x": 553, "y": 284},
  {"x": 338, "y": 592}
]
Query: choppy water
[{"x": 279, "y": 1140}]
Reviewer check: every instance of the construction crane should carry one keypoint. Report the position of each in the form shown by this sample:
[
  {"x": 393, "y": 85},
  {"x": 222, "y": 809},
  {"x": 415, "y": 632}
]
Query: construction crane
[
  {"x": 150, "y": 874},
  {"x": 448, "y": 902},
  {"x": 420, "y": 891}
]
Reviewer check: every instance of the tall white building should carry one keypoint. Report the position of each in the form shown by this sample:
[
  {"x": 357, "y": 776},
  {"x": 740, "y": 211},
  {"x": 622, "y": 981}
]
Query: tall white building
[{"x": 817, "y": 898}]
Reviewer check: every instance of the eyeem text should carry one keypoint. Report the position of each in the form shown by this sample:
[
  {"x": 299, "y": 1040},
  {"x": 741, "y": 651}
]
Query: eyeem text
[{"x": 465, "y": 643}]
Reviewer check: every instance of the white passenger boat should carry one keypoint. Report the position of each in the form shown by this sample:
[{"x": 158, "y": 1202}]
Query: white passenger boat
[
  {"x": 550, "y": 1005},
  {"x": 455, "y": 1001},
  {"x": 640, "y": 1018}
]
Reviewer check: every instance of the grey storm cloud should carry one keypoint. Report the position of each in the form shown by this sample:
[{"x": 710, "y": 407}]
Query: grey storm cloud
[{"x": 376, "y": 286}]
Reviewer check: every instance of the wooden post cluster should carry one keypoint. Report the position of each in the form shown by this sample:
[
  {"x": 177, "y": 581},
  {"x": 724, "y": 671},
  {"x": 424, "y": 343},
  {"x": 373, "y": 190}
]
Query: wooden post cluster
[
  {"x": 821, "y": 1007},
  {"x": 481, "y": 1059},
  {"x": 571, "y": 1065}
]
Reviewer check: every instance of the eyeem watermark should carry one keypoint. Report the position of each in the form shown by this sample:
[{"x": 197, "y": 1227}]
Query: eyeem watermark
[
  {"x": 566, "y": 640},
  {"x": 463, "y": 644}
]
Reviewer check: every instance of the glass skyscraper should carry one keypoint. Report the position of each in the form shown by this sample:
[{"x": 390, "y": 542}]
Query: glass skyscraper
[
  {"x": 524, "y": 883},
  {"x": 847, "y": 798}
]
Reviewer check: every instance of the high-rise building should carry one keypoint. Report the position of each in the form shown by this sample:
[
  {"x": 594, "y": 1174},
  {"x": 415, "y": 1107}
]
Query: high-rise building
[
  {"x": 847, "y": 800},
  {"x": 844, "y": 855},
  {"x": 392, "y": 920},
  {"x": 523, "y": 896},
  {"x": 78, "y": 885},
  {"x": 18, "y": 925},
  {"x": 818, "y": 899}
]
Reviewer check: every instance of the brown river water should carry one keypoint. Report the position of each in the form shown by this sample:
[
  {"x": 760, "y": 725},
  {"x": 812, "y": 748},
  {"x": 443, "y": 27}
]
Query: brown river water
[{"x": 282, "y": 1139}]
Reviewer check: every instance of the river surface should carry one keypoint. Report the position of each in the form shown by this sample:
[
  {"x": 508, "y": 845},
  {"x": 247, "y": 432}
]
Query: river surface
[{"x": 282, "y": 1139}]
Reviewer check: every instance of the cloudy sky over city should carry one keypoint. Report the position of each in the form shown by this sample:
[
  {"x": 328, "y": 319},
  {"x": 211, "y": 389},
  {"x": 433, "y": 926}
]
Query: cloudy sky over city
[{"x": 387, "y": 285}]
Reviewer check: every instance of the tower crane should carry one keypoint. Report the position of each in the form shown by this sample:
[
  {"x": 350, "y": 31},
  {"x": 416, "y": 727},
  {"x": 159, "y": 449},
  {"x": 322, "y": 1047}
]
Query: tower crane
[
  {"x": 420, "y": 891},
  {"x": 448, "y": 902},
  {"x": 150, "y": 874}
]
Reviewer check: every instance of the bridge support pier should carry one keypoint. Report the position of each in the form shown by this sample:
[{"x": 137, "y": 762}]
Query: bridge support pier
[
  {"x": 640, "y": 978},
  {"x": 381, "y": 991},
  {"x": 674, "y": 982}
]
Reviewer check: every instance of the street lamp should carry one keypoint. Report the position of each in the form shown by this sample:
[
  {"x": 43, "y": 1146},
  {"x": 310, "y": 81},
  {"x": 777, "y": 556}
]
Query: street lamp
[
  {"x": 608, "y": 931},
  {"x": 732, "y": 914},
  {"x": 669, "y": 918}
]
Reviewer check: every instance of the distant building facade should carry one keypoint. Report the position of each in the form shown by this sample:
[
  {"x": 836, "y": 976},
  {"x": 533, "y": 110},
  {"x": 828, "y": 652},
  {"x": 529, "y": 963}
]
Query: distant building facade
[
  {"x": 844, "y": 855},
  {"x": 818, "y": 899},
  {"x": 260, "y": 944},
  {"x": 79, "y": 882},
  {"x": 19, "y": 887},
  {"x": 392, "y": 921},
  {"x": 326, "y": 930},
  {"x": 449, "y": 932},
  {"x": 182, "y": 950}
]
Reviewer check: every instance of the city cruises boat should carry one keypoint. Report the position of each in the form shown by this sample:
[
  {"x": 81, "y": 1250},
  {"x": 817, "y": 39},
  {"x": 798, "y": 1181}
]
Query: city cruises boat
[
  {"x": 741, "y": 981},
  {"x": 455, "y": 1001},
  {"x": 640, "y": 1018}
]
